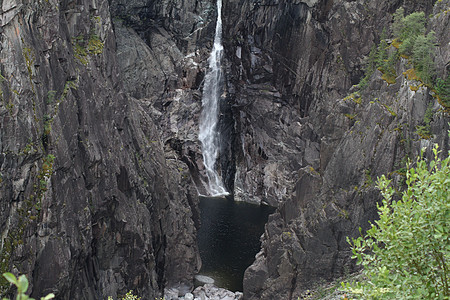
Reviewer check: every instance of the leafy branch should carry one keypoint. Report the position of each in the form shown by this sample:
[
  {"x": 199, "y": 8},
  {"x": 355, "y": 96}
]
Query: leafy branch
[{"x": 22, "y": 286}]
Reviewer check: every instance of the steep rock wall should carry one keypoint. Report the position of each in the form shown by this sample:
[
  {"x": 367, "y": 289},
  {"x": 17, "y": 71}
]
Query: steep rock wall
[
  {"x": 305, "y": 146},
  {"x": 90, "y": 206}
]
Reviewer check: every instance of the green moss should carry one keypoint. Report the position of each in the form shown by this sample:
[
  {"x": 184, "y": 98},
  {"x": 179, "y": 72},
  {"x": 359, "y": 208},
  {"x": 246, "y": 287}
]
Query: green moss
[
  {"x": 6, "y": 102},
  {"x": 79, "y": 49},
  {"x": 355, "y": 97},
  {"x": 287, "y": 235},
  {"x": 13, "y": 239},
  {"x": 29, "y": 148},
  {"x": 28, "y": 212},
  {"x": 368, "y": 178},
  {"x": 388, "y": 78},
  {"x": 84, "y": 48},
  {"x": 49, "y": 118},
  {"x": 343, "y": 213},
  {"x": 5, "y": 259},
  {"x": 390, "y": 110},
  {"x": 350, "y": 116},
  {"x": 95, "y": 45},
  {"x": 51, "y": 96},
  {"x": 44, "y": 175},
  {"x": 47, "y": 124},
  {"x": 29, "y": 59}
]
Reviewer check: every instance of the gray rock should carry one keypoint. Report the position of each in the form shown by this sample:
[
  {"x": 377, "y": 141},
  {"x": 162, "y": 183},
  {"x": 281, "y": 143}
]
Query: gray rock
[
  {"x": 211, "y": 292},
  {"x": 202, "y": 279},
  {"x": 314, "y": 152},
  {"x": 171, "y": 294},
  {"x": 90, "y": 206},
  {"x": 189, "y": 296}
]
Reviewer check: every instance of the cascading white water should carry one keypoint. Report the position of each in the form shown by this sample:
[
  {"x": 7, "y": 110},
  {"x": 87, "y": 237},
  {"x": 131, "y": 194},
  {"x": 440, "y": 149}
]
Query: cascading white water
[{"x": 212, "y": 92}]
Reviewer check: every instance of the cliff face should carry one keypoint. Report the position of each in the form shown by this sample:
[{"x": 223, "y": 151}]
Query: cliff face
[
  {"x": 90, "y": 205},
  {"x": 306, "y": 142},
  {"x": 99, "y": 151},
  {"x": 163, "y": 47}
]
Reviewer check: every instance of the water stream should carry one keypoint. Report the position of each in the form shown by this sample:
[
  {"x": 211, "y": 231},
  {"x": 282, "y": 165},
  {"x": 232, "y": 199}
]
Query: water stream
[{"x": 212, "y": 92}]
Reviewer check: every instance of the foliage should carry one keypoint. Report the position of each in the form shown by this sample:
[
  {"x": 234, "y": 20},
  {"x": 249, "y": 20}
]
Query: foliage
[
  {"x": 84, "y": 48},
  {"x": 95, "y": 45},
  {"x": 387, "y": 67},
  {"x": 370, "y": 68},
  {"x": 422, "y": 57},
  {"x": 382, "y": 49},
  {"x": 407, "y": 29},
  {"x": 415, "y": 44},
  {"x": 405, "y": 253},
  {"x": 424, "y": 131},
  {"x": 22, "y": 286},
  {"x": 378, "y": 59},
  {"x": 443, "y": 91},
  {"x": 128, "y": 296},
  {"x": 410, "y": 41},
  {"x": 45, "y": 174}
]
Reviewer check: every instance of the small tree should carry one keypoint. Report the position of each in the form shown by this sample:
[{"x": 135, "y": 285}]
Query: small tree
[
  {"x": 382, "y": 54},
  {"x": 443, "y": 91},
  {"x": 397, "y": 26},
  {"x": 407, "y": 29},
  {"x": 422, "y": 57},
  {"x": 413, "y": 25},
  {"x": 405, "y": 254}
]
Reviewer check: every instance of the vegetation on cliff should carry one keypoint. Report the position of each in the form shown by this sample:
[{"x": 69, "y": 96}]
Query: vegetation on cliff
[
  {"x": 405, "y": 253},
  {"x": 411, "y": 41}
]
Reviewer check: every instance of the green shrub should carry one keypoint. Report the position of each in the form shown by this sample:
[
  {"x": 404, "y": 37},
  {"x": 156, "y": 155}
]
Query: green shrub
[
  {"x": 405, "y": 254},
  {"x": 128, "y": 296}
]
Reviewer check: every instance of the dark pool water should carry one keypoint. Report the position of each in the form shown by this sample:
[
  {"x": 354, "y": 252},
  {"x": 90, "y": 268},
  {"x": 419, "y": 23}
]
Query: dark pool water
[{"x": 229, "y": 238}]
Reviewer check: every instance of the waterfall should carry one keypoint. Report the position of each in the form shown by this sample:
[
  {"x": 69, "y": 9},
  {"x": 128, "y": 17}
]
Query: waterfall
[{"x": 212, "y": 91}]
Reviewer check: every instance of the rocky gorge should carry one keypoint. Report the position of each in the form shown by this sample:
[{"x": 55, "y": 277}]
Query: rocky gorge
[{"x": 100, "y": 163}]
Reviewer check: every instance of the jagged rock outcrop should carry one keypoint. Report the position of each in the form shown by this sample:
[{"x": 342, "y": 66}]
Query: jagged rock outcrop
[
  {"x": 305, "y": 141},
  {"x": 90, "y": 205}
]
